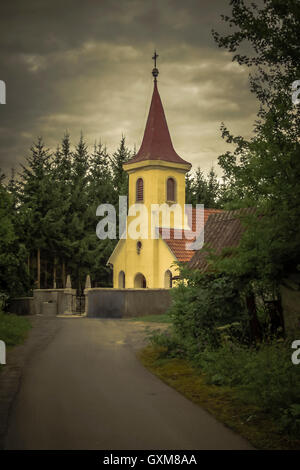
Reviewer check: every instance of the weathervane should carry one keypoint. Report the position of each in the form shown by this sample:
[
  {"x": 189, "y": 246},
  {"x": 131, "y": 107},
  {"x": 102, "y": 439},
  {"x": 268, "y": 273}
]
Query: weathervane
[{"x": 155, "y": 71}]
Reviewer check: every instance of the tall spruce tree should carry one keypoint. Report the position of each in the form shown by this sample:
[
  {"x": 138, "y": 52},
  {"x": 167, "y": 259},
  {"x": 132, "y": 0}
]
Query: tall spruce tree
[
  {"x": 119, "y": 176},
  {"x": 79, "y": 202},
  {"x": 204, "y": 189},
  {"x": 36, "y": 199},
  {"x": 101, "y": 191},
  {"x": 14, "y": 279}
]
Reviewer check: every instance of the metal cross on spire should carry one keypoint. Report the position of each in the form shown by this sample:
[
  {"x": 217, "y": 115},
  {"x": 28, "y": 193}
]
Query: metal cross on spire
[
  {"x": 155, "y": 71},
  {"x": 154, "y": 58}
]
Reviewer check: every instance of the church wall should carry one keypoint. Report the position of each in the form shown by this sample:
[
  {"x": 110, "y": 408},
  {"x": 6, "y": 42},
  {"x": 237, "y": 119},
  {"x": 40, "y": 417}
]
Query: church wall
[
  {"x": 118, "y": 303},
  {"x": 154, "y": 257},
  {"x": 153, "y": 261},
  {"x": 155, "y": 185}
]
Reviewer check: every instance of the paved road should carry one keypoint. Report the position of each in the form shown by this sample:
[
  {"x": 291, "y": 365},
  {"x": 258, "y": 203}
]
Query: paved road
[{"x": 87, "y": 390}]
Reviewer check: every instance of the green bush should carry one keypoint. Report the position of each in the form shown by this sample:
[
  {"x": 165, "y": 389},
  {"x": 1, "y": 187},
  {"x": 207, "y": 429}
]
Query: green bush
[
  {"x": 168, "y": 342},
  {"x": 290, "y": 420},
  {"x": 206, "y": 303},
  {"x": 263, "y": 376}
]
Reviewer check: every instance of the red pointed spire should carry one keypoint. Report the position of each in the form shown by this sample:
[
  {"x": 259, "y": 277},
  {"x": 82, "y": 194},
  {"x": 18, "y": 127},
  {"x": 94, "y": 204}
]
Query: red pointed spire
[{"x": 157, "y": 143}]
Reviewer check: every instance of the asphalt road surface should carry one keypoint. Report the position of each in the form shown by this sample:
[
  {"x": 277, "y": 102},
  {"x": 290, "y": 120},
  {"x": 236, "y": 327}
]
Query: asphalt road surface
[{"x": 86, "y": 390}]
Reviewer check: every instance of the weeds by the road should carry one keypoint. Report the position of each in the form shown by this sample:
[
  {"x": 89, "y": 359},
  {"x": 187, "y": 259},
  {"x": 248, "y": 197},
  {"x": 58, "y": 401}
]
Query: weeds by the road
[
  {"x": 224, "y": 402},
  {"x": 13, "y": 328},
  {"x": 165, "y": 318}
]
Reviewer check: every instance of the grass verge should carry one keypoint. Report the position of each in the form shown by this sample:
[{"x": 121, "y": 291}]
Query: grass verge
[
  {"x": 13, "y": 329},
  {"x": 222, "y": 402},
  {"x": 153, "y": 318}
]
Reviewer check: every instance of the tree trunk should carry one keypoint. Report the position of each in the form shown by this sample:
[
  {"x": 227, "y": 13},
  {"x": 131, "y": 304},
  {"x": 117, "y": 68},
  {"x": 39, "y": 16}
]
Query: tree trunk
[
  {"x": 38, "y": 268},
  {"x": 54, "y": 274},
  {"x": 28, "y": 264},
  {"x": 254, "y": 323},
  {"x": 64, "y": 274},
  {"x": 46, "y": 275}
]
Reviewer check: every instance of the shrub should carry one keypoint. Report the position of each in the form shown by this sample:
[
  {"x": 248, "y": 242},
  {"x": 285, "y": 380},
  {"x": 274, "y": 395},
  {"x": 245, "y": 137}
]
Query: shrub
[
  {"x": 168, "y": 342},
  {"x": 206, "y": 303},
  {"x": 263, "y": 376},
  {"x": 290, "y": 420}
]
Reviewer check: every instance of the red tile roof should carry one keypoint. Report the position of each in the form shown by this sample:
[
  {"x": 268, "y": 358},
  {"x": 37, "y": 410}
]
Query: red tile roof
[
  {"x": 222, "y": 230},
  {"x": 157, "y": 143},
  {"x": 178, "y": 246}
]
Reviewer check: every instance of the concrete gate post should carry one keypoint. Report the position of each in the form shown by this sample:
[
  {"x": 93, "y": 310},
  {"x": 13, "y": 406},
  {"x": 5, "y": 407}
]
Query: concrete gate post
[{"x": 69, "y": 298}]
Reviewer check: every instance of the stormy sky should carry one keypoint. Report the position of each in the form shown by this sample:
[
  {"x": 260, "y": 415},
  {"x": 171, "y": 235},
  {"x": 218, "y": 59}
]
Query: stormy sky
[{"x": 86, "y": 66}]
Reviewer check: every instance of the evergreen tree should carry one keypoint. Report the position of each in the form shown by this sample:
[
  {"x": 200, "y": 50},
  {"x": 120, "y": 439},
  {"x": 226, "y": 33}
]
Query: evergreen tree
[
  {"x": 42, "y": 206},
  {"x": 78, "y": 212},
  {"x": 119, "y": 176},
  {"x": 100, "y": 191},
  {"x": 189, "y": 187},
  {"x": 204, "y": 189},
  {"x": 14, "y": 279},
  {"x": 61, "y": 177},
  {"x": 35, "y": 198}
]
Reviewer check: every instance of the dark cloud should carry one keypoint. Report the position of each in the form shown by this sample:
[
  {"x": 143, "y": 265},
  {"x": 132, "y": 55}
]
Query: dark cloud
[{"x": 86, "y": 66}]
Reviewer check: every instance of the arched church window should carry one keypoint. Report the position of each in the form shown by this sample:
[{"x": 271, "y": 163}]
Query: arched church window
[
  {"x": 138, "y": 247},
  {"x": 121, "y": 283},
  {"x": 140, "y": 281},
  {"x": 139, "y": 190},
  {"x": 171, "y": 189}
]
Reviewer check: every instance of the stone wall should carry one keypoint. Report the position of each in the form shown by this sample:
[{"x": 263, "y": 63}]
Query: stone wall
[
  {"x": 22, "y": 306},
  {"x": 65, "y": 300},
  {"x": 125, "y": 303},
  {"x": 45, "y": 302}
]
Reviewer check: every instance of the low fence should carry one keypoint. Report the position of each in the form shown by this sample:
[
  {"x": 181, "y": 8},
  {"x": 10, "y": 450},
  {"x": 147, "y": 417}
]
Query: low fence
[{"x": 124, "y": 303}]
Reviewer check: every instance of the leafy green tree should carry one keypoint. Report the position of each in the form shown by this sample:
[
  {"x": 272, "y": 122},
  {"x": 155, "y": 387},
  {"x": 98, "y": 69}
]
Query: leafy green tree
[{"x": 265, "y": 170}]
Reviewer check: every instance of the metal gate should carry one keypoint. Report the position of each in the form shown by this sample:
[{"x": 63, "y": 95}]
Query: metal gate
[{"x": 78, "y": 303}]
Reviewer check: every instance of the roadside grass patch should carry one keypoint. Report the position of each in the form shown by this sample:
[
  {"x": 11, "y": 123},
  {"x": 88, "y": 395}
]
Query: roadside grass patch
[
  {"x": 13, "y": 329},
  {"x": 164, "y": 318},
  {"x": 222, "y": 401}
]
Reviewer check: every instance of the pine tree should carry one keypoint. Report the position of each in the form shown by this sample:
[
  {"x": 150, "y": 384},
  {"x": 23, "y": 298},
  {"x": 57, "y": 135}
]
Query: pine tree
[
  {"x": 62, "y": 175},
  {"x": 101, "y": 191},
  {"x": 189, "y": 188},
  {"x": 42, "y": 206},
  {"x": 14, "y": 279},
  {"x": 119, "y": 176},
  {"x": 213, "y": 189},
  {"x": 78, "y": 213}
]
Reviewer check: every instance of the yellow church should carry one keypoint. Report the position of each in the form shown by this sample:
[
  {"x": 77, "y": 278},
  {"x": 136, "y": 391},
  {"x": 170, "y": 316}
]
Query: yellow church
[{"x": 156, "y": 177}]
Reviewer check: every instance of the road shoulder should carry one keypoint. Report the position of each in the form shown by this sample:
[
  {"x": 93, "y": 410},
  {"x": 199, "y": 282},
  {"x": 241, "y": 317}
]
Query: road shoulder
[{"x": 42, "y": 332}]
